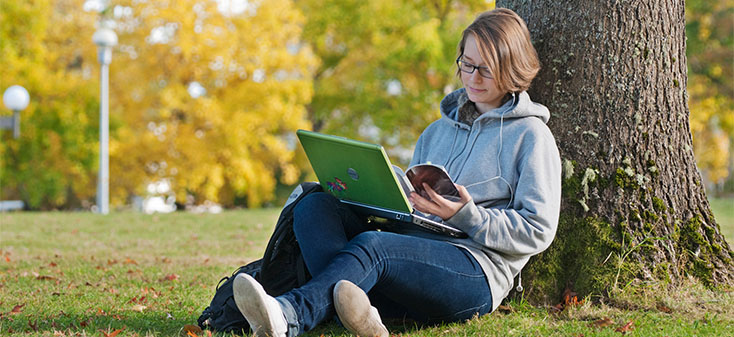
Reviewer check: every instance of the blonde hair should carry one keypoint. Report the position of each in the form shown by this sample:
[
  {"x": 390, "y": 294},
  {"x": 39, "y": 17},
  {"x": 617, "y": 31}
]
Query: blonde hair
[{"x": 504, "y": 44}]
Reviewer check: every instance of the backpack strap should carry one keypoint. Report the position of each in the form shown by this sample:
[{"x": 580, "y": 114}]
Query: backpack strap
[{"x": 300, "y": 270}]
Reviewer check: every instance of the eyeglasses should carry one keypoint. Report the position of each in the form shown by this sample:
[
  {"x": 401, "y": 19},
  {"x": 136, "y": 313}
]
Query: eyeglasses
[{"x": 469, "y": 68}]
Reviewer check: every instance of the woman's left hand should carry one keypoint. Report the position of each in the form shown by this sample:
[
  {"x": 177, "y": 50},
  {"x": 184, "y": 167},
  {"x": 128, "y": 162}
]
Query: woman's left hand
[{"x": 439, "y": 205}]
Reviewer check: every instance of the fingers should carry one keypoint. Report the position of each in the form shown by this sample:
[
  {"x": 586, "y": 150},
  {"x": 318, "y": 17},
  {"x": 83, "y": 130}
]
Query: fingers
[
  {"x": 435, "y": 197},
  {"x": 422, "y": 204},
  {"x": 463, "y": 193},
  {"x": 437, "y": 204}
]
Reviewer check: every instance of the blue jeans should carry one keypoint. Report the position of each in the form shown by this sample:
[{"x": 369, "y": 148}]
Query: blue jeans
[{"x": 405, "y": 276}]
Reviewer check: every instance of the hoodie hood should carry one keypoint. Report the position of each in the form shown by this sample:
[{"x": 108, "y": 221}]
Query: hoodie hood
[{"x": 518, "y": 106}]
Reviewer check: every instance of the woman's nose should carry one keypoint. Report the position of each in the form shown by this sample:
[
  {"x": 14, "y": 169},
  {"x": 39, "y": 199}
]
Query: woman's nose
[{"x": 475, "y": 77}]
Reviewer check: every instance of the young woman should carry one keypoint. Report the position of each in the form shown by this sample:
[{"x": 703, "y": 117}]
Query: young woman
[{"x": 495, "y": 144}]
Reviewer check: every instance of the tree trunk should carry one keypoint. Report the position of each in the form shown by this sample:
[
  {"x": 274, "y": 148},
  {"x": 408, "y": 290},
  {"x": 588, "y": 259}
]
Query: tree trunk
[{"x": 634, "y": 208}]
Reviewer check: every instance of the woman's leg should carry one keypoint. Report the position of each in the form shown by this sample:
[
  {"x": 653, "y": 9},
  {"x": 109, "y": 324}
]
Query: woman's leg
[
  {"x": 433, "y": 280},
  {"x": 323, "y": 226}
]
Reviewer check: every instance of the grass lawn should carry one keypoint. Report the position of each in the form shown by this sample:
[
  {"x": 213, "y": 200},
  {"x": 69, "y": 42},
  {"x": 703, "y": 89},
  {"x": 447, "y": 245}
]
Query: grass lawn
[{"x": 81, "y": 274}]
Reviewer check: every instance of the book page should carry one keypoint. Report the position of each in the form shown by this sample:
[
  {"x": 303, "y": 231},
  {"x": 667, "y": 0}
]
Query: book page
[
  {"x": 403, "y": 180},
  {"x": 434, "y": 176}
]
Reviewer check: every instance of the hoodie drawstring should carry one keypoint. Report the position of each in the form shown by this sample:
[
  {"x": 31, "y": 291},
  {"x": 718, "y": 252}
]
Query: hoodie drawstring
[{"x": 453, "y": 143}]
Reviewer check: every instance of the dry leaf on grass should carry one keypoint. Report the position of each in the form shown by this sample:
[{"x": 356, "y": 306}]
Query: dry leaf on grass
[
  {"x": 111, "y": 334},
  {"x": 570, "y": 298},
  {"x": 602, "y": 323},
  {"x": 626, "y": 328},
  {"x": 139, "y": 308},
  {"x": 191, "y": 330},
  {"x": 45, "y": 277},
  {"x": 170, "y": 277},
  {"x": 17, "y": 309},
  {"x": 664, "y": 308}
]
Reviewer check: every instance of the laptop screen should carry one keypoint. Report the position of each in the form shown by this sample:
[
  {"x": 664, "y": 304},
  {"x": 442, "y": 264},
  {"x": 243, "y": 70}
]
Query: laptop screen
[{"x": 353, "y": 170}]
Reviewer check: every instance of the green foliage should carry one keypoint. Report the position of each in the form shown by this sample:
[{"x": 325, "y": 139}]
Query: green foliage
[
  {"x": 385, "y": 64},
  {"x": 710, "y": 51},
  {"x": 43, "y": 47}
]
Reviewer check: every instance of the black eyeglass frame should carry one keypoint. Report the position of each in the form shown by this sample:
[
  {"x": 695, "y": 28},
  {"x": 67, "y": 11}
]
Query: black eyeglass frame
[{"x": 459, "y": 61}]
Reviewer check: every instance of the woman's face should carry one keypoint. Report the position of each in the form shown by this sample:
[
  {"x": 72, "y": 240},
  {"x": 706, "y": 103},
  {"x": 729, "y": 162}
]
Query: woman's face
[{"x": 481, "y": 90}]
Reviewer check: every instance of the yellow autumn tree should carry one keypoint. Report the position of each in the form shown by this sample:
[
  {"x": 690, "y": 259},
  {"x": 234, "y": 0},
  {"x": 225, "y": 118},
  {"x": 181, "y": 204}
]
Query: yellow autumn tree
[{"x": 208, "y": 95}]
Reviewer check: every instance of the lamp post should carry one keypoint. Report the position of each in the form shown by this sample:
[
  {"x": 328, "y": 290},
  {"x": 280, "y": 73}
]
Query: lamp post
[
  {"x": 105, "y": 39},
  {"x": 15, "y": 98}
]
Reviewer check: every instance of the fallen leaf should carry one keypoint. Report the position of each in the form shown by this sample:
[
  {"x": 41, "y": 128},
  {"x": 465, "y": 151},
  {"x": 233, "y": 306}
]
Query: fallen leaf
[
  {"x": 58, "y": 333},
  {"x": 84, "y": 323},
  {"x": 506, "y": 309},
  {"x": 664, "y": 308},
  {"x": 111, "y": 334},
  {"x": 570, "y": 298},
  {"x": 139, "y": 307},
  {"x": 130, "y": 261},
  {"x": 190, "y": 329},
  {"x": 111, "y": 262},
  {"x": 52, "y": 264},
  {"x": 45, "y": 277},
  {"x": 17, "y": 309},
  {"x": 34, "y": 325},
  {"x": 191, "y": 334},
  {"x": 626, "y": 328},
  {"x": 602, "y": 323},
  {"x": 170, "y": 277}
]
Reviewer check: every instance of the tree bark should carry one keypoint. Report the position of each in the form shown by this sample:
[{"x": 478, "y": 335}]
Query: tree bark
[{"x": 634, "y": 208}]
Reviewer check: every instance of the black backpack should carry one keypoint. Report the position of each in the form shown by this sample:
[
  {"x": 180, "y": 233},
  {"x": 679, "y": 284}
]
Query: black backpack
[{"x": 281, "y": 269}]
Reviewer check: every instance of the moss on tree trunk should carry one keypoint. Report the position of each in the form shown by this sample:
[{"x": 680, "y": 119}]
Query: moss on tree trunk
[{"x": 634, "y": 209}]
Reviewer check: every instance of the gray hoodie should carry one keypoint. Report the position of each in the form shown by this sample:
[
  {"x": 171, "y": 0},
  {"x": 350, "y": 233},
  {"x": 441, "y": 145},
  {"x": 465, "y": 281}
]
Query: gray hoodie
[{"x": 508, "y": 161}]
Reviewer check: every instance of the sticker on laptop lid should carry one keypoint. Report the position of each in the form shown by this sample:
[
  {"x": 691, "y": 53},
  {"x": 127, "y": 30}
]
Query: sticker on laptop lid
[{"x": 337, "y": 186}]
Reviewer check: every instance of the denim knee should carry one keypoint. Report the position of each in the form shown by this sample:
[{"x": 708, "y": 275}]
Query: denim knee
[
  {"x": 366, "y": 244},
  {"x": 312, "y": 204}
]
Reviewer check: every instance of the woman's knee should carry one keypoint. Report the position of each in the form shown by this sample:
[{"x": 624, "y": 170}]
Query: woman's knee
[
  {"x": 369, "y": 242},
  {"x": 314, "y": 203}
]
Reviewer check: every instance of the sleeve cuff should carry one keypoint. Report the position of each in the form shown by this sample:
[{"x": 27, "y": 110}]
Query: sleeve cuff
[{"x": 466, "y": 217}]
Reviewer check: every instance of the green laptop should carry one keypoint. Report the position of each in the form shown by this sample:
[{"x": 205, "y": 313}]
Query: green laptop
[{"x": 360, "y": 174}]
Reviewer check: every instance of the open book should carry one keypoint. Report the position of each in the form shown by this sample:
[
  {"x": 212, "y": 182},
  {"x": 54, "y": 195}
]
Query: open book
[{"x": 433, "y": 175}]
